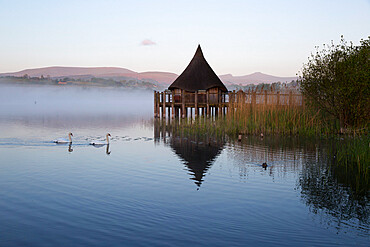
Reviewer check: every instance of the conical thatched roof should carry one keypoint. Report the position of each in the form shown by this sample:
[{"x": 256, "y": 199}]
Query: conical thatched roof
[{"x": 197, "y": 76}]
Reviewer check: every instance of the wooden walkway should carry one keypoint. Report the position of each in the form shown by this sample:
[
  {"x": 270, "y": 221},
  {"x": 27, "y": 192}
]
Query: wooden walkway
[{"x": 204, "y": 103}]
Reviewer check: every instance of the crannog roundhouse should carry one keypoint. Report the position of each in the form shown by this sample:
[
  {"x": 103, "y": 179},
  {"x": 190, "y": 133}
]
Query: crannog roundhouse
[
  {"x": 198, "y": 76},
  {"x": 198, "y": 88},
  {"x": 199, "y": 91}
]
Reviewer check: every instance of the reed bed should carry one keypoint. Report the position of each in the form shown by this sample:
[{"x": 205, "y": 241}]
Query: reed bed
[
  {"x": 269, "y": 113},
  {"x": 278, "y": 120},
  {"x": 350, "y": 162}
]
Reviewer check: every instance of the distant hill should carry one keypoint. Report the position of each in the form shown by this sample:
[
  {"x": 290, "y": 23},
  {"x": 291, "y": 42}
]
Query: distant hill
[
  {"x": 162, "y": 78},
  {"x": 70, "y": 71},
  {"x": 254, "y": 78}
]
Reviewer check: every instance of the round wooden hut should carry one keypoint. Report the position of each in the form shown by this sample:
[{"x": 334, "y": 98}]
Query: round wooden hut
[{"x": 198, "y": 87}]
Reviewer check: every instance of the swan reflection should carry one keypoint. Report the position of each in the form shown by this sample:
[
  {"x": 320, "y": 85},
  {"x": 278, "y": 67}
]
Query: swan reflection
[{"x": 107, "y": 151}]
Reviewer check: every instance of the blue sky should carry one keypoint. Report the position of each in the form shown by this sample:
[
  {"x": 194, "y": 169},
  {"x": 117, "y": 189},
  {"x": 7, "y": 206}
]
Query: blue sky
[{"x": 237, "y": 37}]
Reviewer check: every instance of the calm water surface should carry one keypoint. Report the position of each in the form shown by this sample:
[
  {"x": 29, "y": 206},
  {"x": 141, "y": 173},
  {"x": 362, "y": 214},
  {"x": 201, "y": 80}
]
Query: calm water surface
[{"x": 151, "y": 187}]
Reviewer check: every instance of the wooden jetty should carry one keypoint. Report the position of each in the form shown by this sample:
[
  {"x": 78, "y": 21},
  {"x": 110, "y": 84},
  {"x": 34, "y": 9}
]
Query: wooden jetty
[
  {"x": 207, "y": 103},
  {"x": 199, "y": 91}
]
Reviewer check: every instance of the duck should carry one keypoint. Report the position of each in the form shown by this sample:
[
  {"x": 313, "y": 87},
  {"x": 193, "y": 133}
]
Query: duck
[
  {"x": 240, "y": 137},
  {"x": 99, "y": 143},
  {"x": 264, "y": 165},
  {"x": 63, "y": 140}
]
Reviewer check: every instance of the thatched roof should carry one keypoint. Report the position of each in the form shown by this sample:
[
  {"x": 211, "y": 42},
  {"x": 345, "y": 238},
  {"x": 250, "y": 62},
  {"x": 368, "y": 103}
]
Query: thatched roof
[{"x": 197, "y": 76}]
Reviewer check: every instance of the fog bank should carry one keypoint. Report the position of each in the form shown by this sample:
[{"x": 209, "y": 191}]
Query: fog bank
[{"x": 64, "y": 100}]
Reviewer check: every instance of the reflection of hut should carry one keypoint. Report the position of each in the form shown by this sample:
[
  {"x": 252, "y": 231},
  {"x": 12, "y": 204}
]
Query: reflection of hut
[
  {"x": 197, "y": 87},
  {"x": 197, "y": 156}
]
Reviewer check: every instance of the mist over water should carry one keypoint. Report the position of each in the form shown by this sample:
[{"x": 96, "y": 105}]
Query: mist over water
[
  {"x": 68, "y": 100},
  {"x": 44, "y": 113}
]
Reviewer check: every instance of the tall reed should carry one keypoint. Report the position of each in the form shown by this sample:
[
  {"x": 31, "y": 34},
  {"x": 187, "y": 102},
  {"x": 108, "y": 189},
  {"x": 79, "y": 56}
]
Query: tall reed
[
  {"x": 350, "y": 161},
  {"x": 277, "y": 120},
  {"x": 271, "y": 113}
]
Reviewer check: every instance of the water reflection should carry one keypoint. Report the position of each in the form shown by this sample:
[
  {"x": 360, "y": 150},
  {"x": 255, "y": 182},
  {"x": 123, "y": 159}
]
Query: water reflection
[
  {"x": 107, "y": 151},
  {"x": 336, "y": 192},
  {"x": 70, "y": 149},
  {"x": 198, "y": 153},
  {"x": 283, "y": 156},
  {"x": 331, "y": 191}
]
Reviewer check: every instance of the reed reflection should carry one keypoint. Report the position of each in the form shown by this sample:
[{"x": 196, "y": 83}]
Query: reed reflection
[
  {"x": 275, "y": 155},
  {"x": 197, "y": 152},
  {"x": 338, "y": 192}
]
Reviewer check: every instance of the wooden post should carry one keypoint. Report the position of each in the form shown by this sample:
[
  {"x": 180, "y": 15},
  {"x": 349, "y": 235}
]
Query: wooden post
[
  {"x": 155, "y": 104},
  {"x": 230, "y": 102},
  {"x": 158, "y": 104},
  {"x": 169, "y": 109},
  {"x": 254, "y": 98},
  {"x": 164, "y": 105},
  {"x": 196, "y": 104},
  {"x": 182, "y": 103},
  {"x": 173, "y": 104},
  {"x": 265, "y": 97},
  {"x": 220, "y": 101},
  {"x": 232, "y": 107},
  {"x": 207, "y": 100},
  {"x": 290, "y": 98},
  {"x": 278, "y": 98}
]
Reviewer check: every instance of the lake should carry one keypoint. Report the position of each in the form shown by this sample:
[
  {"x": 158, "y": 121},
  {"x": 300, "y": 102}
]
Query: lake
[{"x": 153, "y": 187}]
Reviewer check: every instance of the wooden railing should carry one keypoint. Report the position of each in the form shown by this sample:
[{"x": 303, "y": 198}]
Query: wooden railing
[
  {"x": 269, "y": 98},
  {"x": 205, "y": 99}
]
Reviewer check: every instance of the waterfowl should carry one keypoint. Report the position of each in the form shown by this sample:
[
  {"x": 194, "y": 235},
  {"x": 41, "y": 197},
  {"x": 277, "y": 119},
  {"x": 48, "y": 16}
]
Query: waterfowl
[
  {"x": 264, "y": 165},
  {"x": 63, "y": 140},
  {"x": 99, "y": 143}
]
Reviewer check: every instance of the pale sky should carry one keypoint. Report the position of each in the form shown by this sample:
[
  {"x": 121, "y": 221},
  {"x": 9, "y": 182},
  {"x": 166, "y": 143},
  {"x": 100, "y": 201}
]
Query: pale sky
[{"x": 237, "y": 37}]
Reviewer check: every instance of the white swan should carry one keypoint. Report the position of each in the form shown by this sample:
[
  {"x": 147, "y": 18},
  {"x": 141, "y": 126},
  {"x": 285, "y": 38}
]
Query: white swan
[
  {"x": 98, "y": 143},
  {"x": 63, "y": 140}
]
